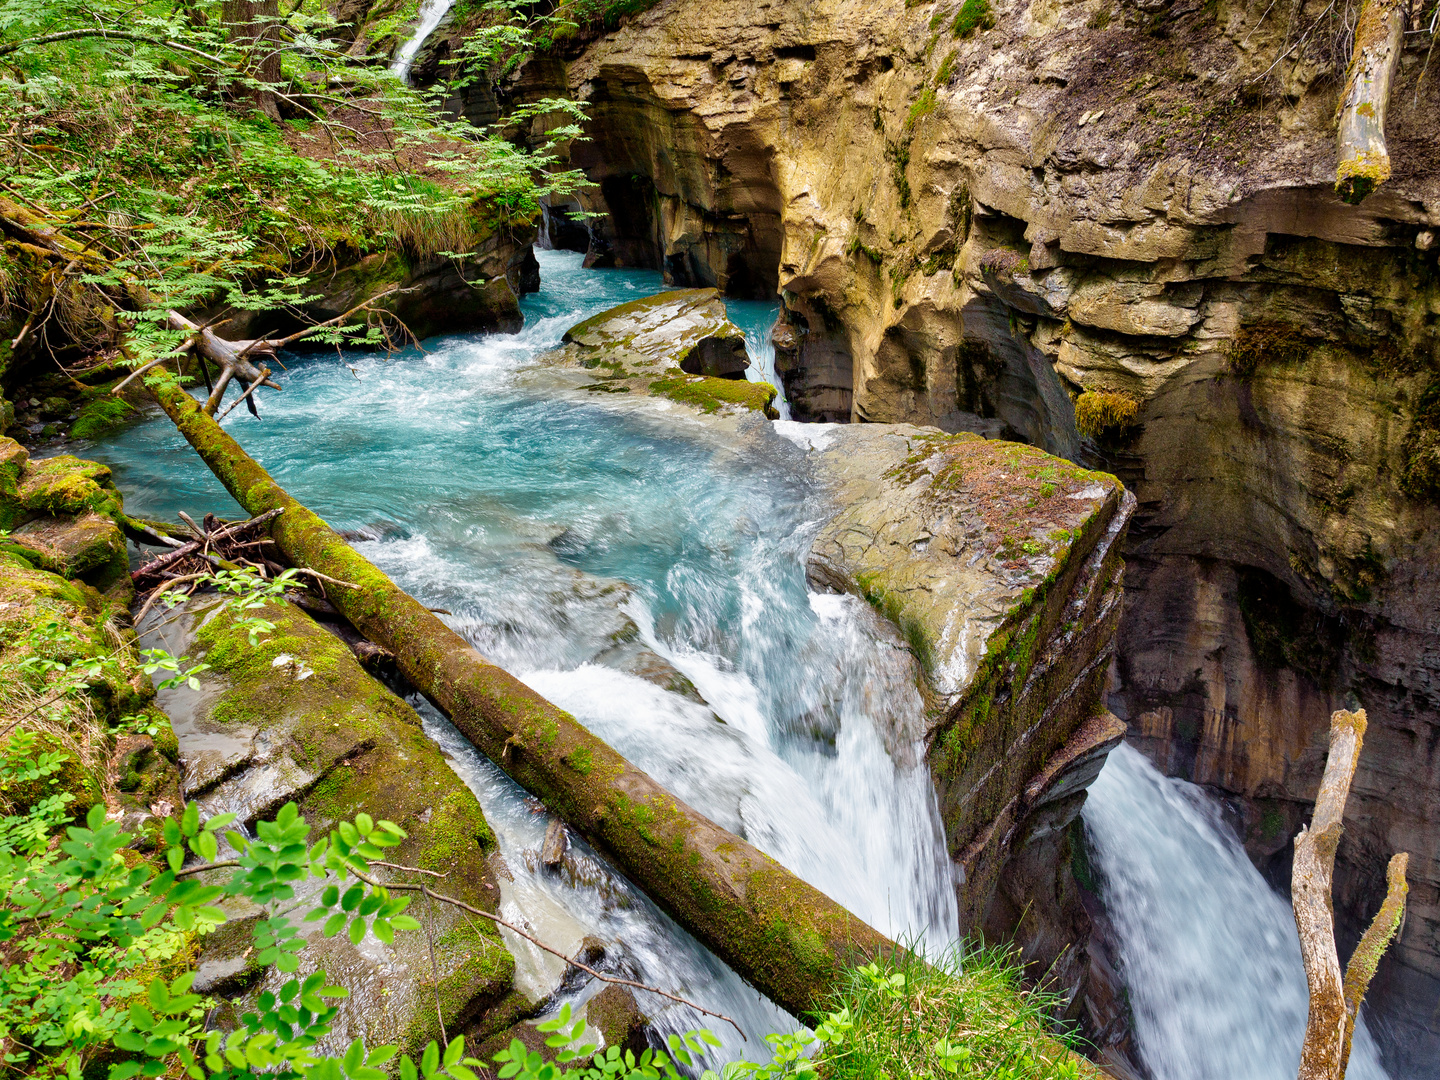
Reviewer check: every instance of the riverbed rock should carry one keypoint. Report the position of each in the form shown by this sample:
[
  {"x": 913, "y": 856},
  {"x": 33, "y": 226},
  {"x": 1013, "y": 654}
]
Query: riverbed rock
[
  {"x": 680, "y": 345},
  {"x": 970, "y": 231},
  {"x": 296, "y": 718}
]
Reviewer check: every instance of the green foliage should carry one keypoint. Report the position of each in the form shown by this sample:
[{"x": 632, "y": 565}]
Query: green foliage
[
  {"x": 173, "y": 171},
  {"x": 973, "y": 15},
  {"x": 963, "y": 1014},
  {"x": 1103, "y": 414},
  {"x": 947, "y": 68}
]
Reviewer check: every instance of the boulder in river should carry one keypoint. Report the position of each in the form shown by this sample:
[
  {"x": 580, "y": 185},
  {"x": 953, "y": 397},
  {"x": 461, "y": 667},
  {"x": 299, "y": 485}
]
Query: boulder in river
[{"x": 679, "y": 345}]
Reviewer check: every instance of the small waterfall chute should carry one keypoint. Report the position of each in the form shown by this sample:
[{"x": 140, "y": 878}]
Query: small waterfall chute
[
  {"x": 1209, "y": 951},
  {"x": 431, "y": 12}
]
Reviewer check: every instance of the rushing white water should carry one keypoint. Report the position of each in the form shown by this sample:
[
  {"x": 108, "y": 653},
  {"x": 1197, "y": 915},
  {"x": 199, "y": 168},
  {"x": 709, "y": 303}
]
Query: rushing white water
[
  {"x": 757, "y": 319},
  {"x": 431, "y": 12},
  {"x": 568, "y": 531},
  {"x": 1209, "y": 950},
  {"x": 556, "y": 526}
]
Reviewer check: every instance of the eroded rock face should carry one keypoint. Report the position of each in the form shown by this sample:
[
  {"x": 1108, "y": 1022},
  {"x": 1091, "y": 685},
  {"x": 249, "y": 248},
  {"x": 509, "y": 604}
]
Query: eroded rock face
[
  {"x": 1000, "y": 565},
  {"x": 972, "y": 231}
]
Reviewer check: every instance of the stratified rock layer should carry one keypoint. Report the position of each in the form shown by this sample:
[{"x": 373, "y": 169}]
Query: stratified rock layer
[{"x": 1000, "y": 565}]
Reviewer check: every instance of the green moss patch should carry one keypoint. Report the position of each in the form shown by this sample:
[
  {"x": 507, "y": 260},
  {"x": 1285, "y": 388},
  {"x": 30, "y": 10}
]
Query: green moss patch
[
  {"x": 973, "y": 15},
  {"x": 1105, "y": 414},
  {"x": 709, "y": 394}
]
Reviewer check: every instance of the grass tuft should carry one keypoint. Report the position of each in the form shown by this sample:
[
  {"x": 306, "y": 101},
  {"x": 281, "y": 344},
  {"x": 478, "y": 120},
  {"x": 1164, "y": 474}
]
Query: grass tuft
[
  {"x": 973, "y": 15},
  {"x": 966, "y": 1013}
]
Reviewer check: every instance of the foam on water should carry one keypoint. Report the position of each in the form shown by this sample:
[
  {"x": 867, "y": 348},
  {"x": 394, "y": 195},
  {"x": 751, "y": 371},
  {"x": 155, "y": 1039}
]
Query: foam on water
[{"x": 555, "y": 529}]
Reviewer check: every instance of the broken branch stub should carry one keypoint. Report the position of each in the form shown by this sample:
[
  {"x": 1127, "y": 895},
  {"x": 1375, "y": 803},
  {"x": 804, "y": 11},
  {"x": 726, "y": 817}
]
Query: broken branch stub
[
  {"x": 791, "y": 941},
  {"x": 1362, "y": 159},
  {"x": 1366, "y": 957}
]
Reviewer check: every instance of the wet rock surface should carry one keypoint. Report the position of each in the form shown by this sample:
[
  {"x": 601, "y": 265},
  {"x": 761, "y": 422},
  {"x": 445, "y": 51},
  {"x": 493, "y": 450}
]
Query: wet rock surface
[
  {"x": 680, "y": 345},
  {"x": 1000, "y": 565},
  {"x": 296, "y": 718}
]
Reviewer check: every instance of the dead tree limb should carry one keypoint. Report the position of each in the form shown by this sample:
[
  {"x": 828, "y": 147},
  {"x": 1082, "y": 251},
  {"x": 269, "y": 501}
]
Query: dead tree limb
[
  {"x": 1366, "y": 957},
  {"x": 1335, "y": 1004},
  {"x": 1362, "y": 159}
]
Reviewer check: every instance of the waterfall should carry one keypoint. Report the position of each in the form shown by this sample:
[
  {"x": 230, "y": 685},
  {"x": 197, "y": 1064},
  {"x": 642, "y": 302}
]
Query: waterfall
[
  {"x": 431, "y": 12},
  {"x": 640, "y": 573},
  {"x": 757, "y": 318},
  {"x": 1209, "y": 951}
]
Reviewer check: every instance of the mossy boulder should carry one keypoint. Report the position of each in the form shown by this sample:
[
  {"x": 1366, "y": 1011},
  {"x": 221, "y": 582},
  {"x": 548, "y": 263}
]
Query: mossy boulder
[
  {"x": 64, "y": 516},
  {"x": 679, "y": 345},
  {"x": 297, "y": 718},
  {"x": 999, "y": 565}
]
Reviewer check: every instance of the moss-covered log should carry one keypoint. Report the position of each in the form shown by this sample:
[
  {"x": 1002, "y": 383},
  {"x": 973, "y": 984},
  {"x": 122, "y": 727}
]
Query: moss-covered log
[
  {"x": 1362, "y": 159},
  {"x": 787, "y": 938}
]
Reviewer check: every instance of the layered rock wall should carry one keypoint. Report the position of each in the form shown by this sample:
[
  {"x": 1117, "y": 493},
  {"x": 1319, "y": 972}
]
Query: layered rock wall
[{"x": 1107, "y": 230}]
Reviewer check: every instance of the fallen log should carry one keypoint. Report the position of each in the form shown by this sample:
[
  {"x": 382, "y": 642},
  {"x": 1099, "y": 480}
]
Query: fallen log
[
  {"x": 786, "y": 937},
  {"x": 1362, "y": 158},
  {"x": 1335, "y": 1004}
]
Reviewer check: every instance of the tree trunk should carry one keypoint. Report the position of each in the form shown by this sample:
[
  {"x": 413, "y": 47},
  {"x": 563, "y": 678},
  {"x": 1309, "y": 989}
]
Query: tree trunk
[
  {"x": 256, "y": 22},
  {"x": 786, "y": 937},
  {"x": 1362, "y": 160}
]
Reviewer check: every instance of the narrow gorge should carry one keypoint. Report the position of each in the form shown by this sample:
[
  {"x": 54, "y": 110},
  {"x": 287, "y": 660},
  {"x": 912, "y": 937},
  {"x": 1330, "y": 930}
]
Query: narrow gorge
[{"x": 787, "y": 511}]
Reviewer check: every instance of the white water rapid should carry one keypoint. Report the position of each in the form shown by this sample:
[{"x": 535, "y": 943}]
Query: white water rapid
[
  {"x": 431, "y": 12},
  {"x": 1209, "y": 950}
]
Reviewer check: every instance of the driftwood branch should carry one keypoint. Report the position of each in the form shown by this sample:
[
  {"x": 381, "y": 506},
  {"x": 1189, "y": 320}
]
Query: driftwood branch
[
  {"x": 1362, "y": 159},
  {"x": 1335, "y": 1004},
  {"x": 1313, "y": 873}
]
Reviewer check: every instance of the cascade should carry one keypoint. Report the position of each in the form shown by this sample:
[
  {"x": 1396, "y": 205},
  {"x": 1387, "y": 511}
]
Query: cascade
[
  {"x": 431, "y": 12},
  {"x": 1209, "y": 951},
  {"x": 569, "y": 538},
  {"x": 576, "y": 542}
]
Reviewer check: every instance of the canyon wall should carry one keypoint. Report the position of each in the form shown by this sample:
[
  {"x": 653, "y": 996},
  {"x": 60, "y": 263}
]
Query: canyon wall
[{"x": 1121, "y": 214}]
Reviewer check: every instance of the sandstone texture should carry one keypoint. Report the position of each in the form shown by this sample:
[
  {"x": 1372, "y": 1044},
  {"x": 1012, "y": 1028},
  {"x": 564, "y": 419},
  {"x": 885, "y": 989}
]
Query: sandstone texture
[{"x": 1090, "y": 202}]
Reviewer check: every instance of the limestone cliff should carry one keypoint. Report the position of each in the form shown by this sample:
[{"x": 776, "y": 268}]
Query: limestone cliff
[{"x": 1107, "y": 230}]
